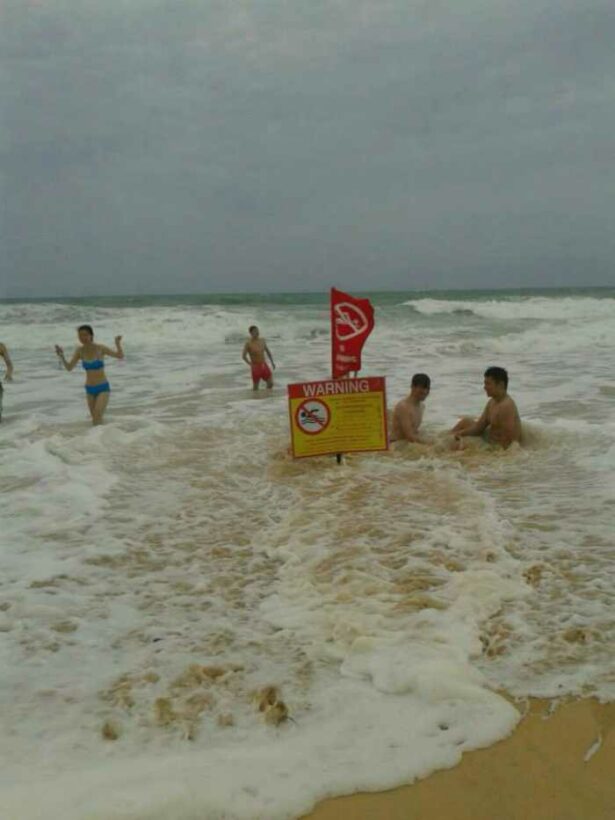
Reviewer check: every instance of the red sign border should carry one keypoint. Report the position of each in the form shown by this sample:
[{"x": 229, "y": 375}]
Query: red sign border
[{"x": 375, "y": 383}]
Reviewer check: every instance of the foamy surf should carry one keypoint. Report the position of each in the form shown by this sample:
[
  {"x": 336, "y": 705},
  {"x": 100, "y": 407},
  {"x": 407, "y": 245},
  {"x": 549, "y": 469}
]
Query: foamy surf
[{"x": 195, "y": 625}]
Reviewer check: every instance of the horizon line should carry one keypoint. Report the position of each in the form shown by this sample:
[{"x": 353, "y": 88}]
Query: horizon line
[{"x": 176, "y": 294}]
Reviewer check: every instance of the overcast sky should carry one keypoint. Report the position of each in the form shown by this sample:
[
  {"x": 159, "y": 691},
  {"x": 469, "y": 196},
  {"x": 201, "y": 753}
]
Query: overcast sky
[{"x": 156, "y": 146}]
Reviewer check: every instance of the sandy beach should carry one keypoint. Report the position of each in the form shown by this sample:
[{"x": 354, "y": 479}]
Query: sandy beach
[{"x": 550, "y": 767}]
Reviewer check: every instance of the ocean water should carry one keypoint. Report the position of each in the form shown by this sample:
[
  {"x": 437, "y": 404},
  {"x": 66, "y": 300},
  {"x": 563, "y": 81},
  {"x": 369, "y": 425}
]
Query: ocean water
[{"x": 173, "y": 585}]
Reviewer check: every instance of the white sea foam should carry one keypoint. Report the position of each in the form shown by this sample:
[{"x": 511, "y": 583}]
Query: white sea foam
[
  {"x": 159, "y": 572},
  {"x": 515, "y": 309}
]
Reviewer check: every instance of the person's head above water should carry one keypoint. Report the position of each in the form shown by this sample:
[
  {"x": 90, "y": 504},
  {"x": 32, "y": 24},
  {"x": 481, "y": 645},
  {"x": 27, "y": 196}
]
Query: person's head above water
[
  {"x": 85, "y": 333},
  {"x": 420, "y": 386},
  {"x": 496, "y": 381},
  {"x": 253, "y": 331},
  {"x": 421, "y": 380}
]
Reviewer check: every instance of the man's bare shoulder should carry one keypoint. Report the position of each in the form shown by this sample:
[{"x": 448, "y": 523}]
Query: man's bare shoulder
[
  {"x": 401, "y": 406},
  {"x": 509, "y": 404}
]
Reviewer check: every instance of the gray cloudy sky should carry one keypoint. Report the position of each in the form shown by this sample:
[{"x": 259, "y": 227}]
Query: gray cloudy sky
[{"x": 203, "y": 145}]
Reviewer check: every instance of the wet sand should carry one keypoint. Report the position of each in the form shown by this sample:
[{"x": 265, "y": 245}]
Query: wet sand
[{"x": 540, "y": 773}]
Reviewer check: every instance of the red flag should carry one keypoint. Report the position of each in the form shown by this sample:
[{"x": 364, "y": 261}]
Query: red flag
[{"x": 352, "y": 320}]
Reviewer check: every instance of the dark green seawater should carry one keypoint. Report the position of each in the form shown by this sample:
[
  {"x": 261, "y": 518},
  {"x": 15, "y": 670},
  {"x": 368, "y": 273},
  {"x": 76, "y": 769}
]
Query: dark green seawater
[{"x": 378, "y": 297}]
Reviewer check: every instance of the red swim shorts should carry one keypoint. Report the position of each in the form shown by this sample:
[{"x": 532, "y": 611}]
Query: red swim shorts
[{"x": 261, "y": 371}]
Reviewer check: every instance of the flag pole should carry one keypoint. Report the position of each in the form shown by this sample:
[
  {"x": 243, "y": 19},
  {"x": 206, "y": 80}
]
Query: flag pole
[
  {"x": 361, "y": 326},
  {"x": 338, "y": 456}
]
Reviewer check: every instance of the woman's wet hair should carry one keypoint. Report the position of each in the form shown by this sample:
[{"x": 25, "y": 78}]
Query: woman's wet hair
[
  {"x": 421, "y": 380},
  {"x": 497, "y": 374},
  {"x": 87, "y": 328}
]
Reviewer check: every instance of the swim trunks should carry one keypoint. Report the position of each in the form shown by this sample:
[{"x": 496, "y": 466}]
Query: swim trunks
[
  {"x": 96, "y": 389},
  {"x": 261, "y": 371}
]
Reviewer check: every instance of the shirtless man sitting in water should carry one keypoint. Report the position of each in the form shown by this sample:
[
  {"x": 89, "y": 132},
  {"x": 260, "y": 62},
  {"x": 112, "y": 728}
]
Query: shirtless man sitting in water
[
  {"x": 253, "y": 354},
  {"x": 408, "y": 413},
  {"x": 500, "y": 415}
]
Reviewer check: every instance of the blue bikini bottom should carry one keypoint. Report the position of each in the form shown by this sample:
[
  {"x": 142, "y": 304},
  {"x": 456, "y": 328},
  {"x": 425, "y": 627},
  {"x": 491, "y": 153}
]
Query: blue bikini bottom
[{"x": 97, "y": 389}]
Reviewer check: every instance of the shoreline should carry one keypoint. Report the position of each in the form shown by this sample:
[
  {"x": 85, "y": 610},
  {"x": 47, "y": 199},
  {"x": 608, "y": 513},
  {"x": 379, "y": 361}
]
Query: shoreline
[{"x": 558, "y": 764}]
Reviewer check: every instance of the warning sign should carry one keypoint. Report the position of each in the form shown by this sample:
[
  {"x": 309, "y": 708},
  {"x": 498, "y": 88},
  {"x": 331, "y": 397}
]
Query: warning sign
[{"x": 337, "y": 416}]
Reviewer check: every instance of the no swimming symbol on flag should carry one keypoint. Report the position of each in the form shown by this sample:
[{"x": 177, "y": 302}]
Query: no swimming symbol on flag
[{"x": 352, "y": 320}]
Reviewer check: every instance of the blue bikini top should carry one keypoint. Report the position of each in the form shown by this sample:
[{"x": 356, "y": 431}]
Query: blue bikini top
[{"x": 95, "y": 364}]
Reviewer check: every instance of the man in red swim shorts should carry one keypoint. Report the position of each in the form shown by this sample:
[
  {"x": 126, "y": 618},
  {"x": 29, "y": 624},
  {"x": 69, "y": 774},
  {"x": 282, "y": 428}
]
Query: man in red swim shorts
[{"x": 253, "y": 354}]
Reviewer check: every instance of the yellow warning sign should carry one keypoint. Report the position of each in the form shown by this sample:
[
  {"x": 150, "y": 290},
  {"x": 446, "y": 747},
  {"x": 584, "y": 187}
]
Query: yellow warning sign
[{"x": 337, "y": 416}]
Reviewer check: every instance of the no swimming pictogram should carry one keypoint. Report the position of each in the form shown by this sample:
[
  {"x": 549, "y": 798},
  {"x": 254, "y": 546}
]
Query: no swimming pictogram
[{"x": 312, "y": 416}]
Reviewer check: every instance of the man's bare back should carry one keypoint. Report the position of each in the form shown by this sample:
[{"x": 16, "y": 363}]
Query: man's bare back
[{"x": 504, "y": 424}]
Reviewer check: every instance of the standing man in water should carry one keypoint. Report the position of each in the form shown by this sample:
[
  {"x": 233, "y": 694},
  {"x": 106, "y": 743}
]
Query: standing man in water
[
  {"x": 500, "y": 422},
  {"x": 408, "y": 413},
  {"x": 253, "y": 354},
  {"x": 9, "y": 371}
]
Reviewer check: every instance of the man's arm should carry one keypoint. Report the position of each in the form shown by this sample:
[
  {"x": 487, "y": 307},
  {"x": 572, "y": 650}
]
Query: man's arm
[
  {"x": 268, "y": 352},
  {"x": 7, "y": 361},
  {"x": 118, "y": 353},
  {"x": 245, "y": 355},
  {"x": 478, "y": 427}
]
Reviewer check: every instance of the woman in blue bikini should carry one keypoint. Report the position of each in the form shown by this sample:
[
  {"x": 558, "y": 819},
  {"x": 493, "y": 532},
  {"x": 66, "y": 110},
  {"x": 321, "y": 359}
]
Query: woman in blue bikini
[{"x": 97, "y": 387}]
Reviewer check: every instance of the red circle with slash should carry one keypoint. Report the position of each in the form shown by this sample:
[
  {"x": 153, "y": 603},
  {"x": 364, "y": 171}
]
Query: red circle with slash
[{"x": 312, "y": 416}]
